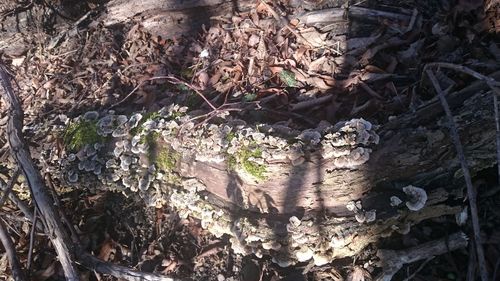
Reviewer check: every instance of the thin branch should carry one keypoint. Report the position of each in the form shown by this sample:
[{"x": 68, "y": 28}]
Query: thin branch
[
  {"x": 121, "y": 272},
  {"x": 23, "y": 207},
  {"x": 15, "y": 265},
  {"x": 497, "y": 128},
  {"x": 412, "y": 276},
  {"x": 468, "y": 181},
  {"x": 490, "y": 81},
  {"x": 32, "y": 239},
  {"x": 20, "y": 152},
  {"x": 171, "y": 79},
  {"x": 9, "y": 187},
  {"x": 392, "y": 260},
  {"x": 67, "y": 250}
]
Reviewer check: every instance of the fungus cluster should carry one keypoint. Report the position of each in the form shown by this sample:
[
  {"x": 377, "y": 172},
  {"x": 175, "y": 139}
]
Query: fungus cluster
[
  {"x": 144, "y": 154},
  {"x": 347, "y": 143}
]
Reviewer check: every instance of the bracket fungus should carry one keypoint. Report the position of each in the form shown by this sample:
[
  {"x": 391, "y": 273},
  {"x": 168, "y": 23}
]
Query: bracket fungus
[{"x": 417, "y": 197}]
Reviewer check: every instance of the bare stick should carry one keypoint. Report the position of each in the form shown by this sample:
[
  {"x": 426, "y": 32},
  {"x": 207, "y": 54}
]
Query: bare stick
[
  {"x": 9, "y": 187},
  {"x": 121, "y": 272},
  {"x": 58, "y": 236},
  {"x": 465, "y": 169},
  {"x": 310, "y": 103},
  {"x": 172, "y": 79},
  {"x": 32, "y": 239},
  {"x": 497, "y": 128},
  {"x": 490, "y": 81},
  {"x": 17, "y": 272},
  {"x": 392, "y": 261},
  {"x": 20, "y": 204},
  {"x": 412, "y": 276},
  {"x": 65, "y": 248}
]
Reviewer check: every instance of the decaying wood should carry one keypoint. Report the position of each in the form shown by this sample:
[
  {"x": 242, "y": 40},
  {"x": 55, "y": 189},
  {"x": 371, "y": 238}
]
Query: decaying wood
[
  {"x": 471, "y": 193},
  {"x": 326, "y": 16},
  {"x": 170, "y": 18},
  {"x": 174, "y": 18},
  {"x": 392, "y": 261},
  {"x": 255, "y": 213}
]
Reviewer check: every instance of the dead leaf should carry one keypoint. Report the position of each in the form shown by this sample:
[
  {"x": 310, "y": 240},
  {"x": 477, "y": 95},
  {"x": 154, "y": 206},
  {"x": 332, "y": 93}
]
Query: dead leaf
[{"x": 107, "y": 250}]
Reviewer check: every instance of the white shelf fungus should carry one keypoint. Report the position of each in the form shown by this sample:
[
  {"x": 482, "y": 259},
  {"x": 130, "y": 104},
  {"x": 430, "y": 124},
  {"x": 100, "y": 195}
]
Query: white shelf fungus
[{"x": 417, "y": 197}]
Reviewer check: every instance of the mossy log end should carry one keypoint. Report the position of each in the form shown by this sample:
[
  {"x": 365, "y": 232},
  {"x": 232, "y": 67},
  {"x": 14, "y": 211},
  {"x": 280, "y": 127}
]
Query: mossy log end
[{"x": 306, "y": 204}]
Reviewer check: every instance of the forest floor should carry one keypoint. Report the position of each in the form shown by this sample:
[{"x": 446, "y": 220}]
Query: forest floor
[{"x": 360, "y": 66}]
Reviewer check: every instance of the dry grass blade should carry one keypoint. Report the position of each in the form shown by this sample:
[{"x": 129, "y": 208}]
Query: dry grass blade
[{"x": 468, "y": 181}]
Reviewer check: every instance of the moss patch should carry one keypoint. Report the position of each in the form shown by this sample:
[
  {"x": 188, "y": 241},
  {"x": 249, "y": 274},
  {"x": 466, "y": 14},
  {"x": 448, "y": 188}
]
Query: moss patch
[
  {"x": 242, "y": 159},
  {"x": 162, "y": 156},
  {"x": 81, "y": 133},
  {"x": 167, "y": 159}
]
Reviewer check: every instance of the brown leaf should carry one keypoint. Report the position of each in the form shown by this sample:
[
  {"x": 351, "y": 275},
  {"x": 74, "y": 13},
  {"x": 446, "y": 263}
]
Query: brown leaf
[
  {"x": 203, "y": 80},
  {"x": 107, "y": 250}
]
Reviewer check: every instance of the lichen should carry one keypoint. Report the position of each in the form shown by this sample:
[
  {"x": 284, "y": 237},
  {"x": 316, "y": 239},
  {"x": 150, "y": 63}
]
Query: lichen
[{"x": 81, "y": 133}]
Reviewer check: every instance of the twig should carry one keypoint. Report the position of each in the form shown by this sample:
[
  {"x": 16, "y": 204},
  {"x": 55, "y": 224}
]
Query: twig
[
  {"x": 497, "y": 128},
  {"x": 465, "y": 169},
  {"x": 21, "y": 205},
  {"x": 58, "y": 236},
  {"x": 490, "y": 81},
  {"x": 122, "y": 272},
  {"x": 172, "y": 79},
  {"x": 312, "y": 102},
  {"x": 412, "y": 276},
  {"x": 15, "y": 265},
  {"x": 9, "y": 187},
  {"x": 471, "y": 264},
  {"x": 392, "y": 261},
  {"x": 412, "y": 20},
  {"x": 32, "y": 239}
]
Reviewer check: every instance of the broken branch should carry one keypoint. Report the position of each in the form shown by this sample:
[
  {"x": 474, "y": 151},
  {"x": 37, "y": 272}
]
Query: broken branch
[{"x": 468, "y": 181}]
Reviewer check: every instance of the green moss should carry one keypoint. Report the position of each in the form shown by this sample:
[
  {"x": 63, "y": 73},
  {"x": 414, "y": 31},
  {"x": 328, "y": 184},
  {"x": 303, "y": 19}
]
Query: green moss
[
  {"x": 241, "y": 159},
  {"x": 167, "y": 159},
  {"x": 254, "y": 169},
  {"x": 81, "y": 133},
  {"x": 230, "y": 136},
  {"x": 164, "y": 158}
]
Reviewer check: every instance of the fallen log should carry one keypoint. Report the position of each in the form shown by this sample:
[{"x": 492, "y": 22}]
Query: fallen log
[{"x": 320, "y": 194}]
